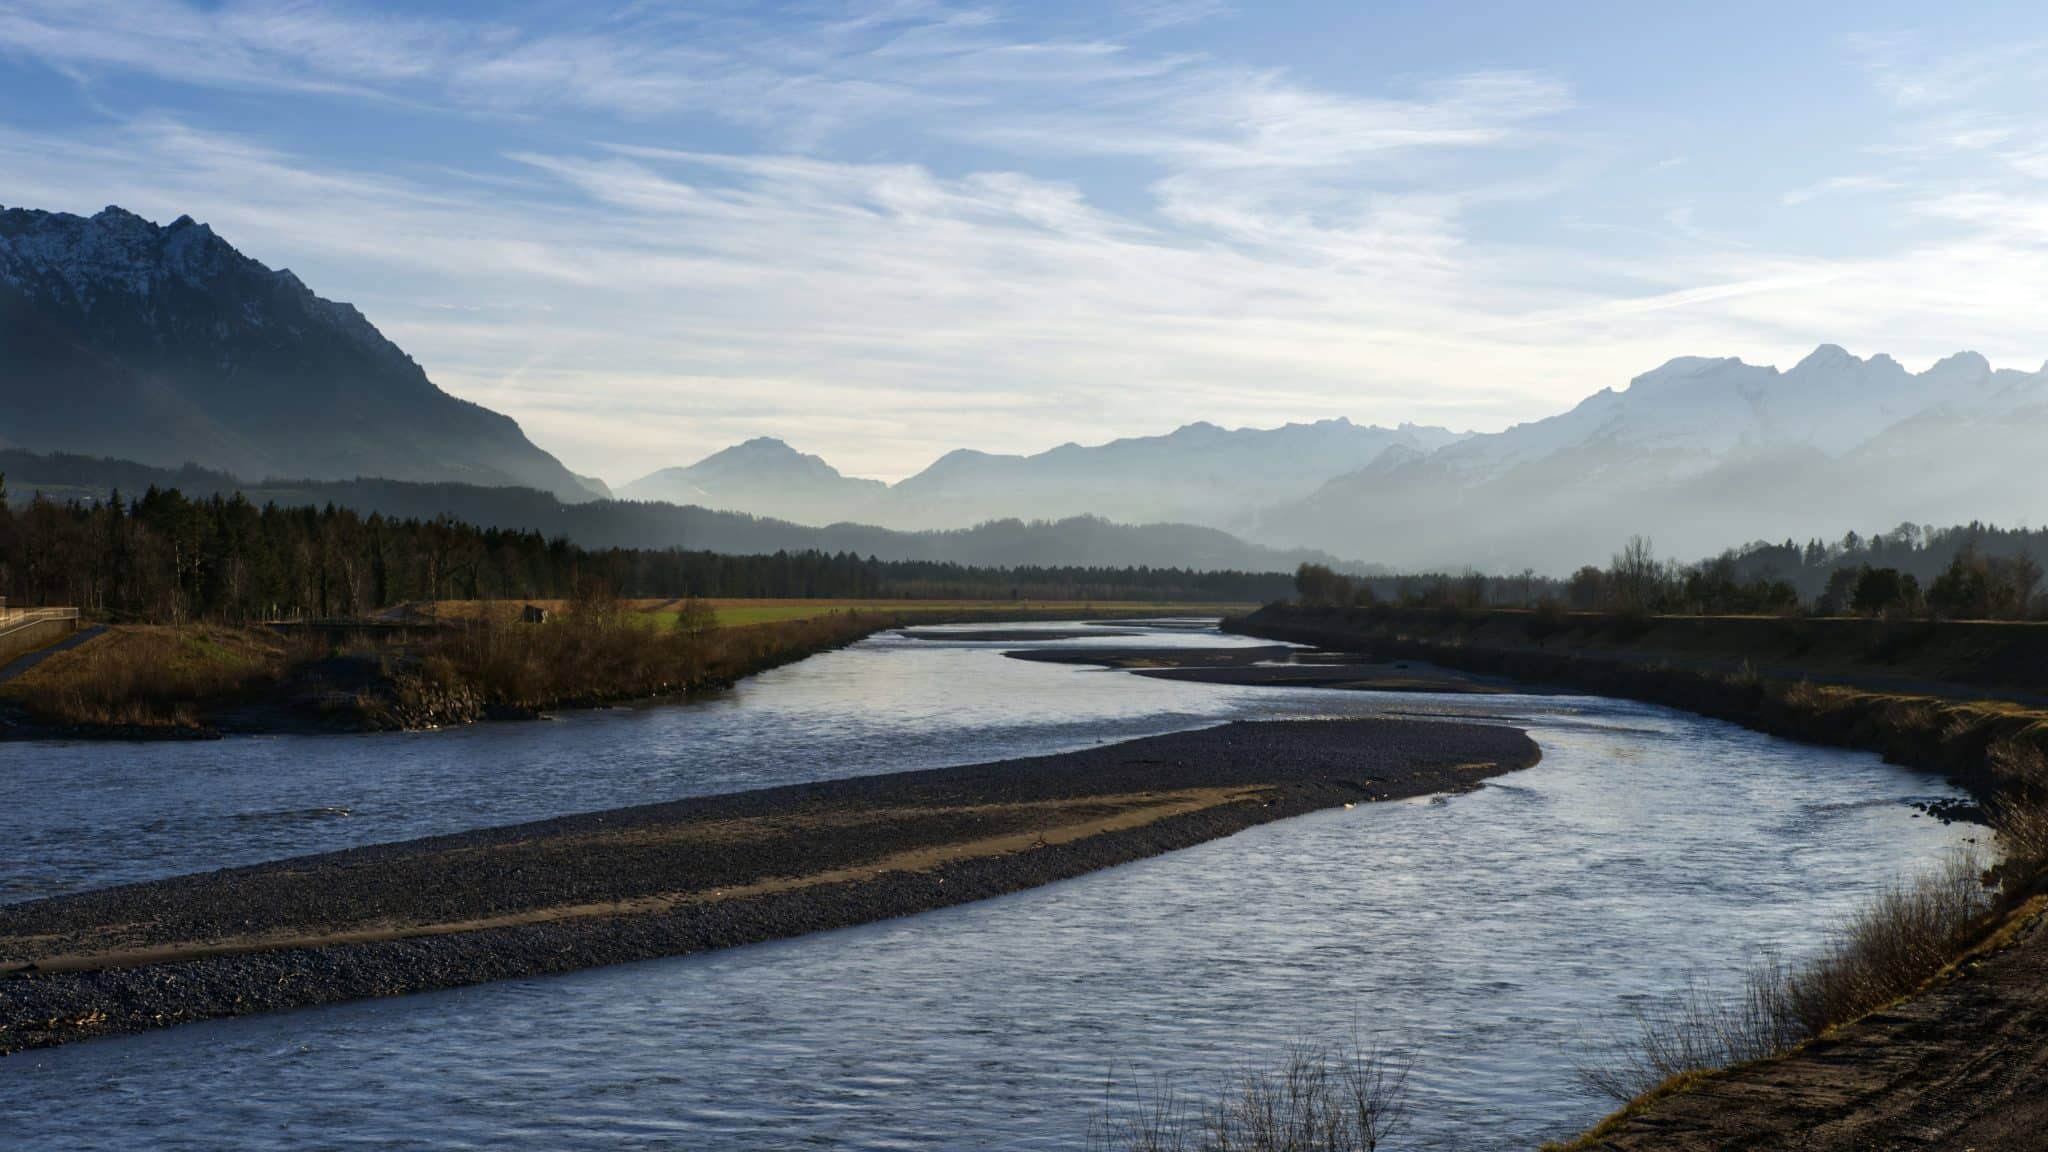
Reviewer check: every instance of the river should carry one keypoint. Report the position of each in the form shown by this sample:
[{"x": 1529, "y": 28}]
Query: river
[{"x": 1492, "y": 937}]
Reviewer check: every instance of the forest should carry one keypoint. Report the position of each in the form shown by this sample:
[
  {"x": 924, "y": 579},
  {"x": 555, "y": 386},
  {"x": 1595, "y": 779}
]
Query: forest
[
  {"x": 1972, "y": 571},
  {"x": 164, "y": 557}
]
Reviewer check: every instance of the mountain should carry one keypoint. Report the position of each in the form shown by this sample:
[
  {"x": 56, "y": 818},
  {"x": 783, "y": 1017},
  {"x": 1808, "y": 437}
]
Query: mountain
[
  {"x": 1696, "y": 455},
  {"x": 1079, "y": 541},
  {"x": 1198, "y": 474},
  {"x": 166, "y": 345},
  {"x": 766, "y": 477}
]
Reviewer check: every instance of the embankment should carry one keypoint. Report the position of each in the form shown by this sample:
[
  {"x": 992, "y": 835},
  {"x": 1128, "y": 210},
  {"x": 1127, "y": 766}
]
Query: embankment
[
  {"x": 1963, "y": 1063},
  {"x": 688, "y": 876},
  {"x": 1872, "y": 691}
]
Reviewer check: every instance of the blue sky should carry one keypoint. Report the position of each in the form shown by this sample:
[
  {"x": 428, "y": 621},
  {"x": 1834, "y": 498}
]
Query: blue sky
[{"x": 882, "y": 231}]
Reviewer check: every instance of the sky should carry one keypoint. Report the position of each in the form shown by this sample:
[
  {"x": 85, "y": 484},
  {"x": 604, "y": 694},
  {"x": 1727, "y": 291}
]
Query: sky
[{"x": 885, "y": 231}]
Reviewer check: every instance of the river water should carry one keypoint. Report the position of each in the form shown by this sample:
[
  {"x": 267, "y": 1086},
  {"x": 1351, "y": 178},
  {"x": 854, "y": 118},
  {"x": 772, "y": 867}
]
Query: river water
[{"x": 1491, "y": 937}]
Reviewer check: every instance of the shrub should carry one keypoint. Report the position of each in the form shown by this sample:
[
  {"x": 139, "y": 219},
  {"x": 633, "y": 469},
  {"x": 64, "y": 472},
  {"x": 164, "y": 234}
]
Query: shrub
[
  {"x": 1346, "y": 1098},
  {"x": 1547, "y": 619},
  {"x": 1900, "y": 940}
]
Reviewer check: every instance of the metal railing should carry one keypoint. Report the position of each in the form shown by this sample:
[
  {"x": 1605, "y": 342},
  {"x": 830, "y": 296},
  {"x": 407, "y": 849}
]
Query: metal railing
[{"x": 13, "y": 618}]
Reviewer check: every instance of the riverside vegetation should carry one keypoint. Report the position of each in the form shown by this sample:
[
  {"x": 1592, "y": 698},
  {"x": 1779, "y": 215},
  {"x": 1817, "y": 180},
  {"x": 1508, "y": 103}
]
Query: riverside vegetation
[
  {"x": 474, "y": 662},
  {"x": 190, "y": 585},
  {"x": 1906, "y": 936}
]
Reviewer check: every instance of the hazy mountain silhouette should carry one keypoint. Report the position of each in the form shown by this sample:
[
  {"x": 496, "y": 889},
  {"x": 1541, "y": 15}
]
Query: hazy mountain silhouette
[
  {"x": 166, "y": 345},
  {"x": 1078, "y": 541},
  {"x": 766, "y": 477},
  {"x": 1199, "y": 474},
  {"x": 1699, "y": 454}
]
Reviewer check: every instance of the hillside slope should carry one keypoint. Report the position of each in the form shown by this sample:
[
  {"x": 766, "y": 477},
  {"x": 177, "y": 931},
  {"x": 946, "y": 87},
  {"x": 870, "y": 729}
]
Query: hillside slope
[{"x": 166, "y": 345}]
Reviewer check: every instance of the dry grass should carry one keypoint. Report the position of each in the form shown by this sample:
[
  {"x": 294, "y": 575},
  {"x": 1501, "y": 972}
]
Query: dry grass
[
  {"x": 1343, "y": 1098},
  {"x": 592, "y": 650},
  {"x": 1908, "y": 934},
  {"x": 735, "y": 613},
  {"x": 150, "y": 676},
  {"x": 598, "y": 652}
]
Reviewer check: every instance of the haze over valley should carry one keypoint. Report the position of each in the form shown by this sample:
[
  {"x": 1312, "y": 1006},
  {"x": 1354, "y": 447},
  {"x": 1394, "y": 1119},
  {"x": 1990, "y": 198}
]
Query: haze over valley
[{"x": 166, "y": 346}]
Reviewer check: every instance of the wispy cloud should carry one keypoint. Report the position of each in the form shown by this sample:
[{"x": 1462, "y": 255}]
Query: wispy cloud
[
  {"x": 901, "y": 239},
  {"x": 1915, "y": 73},
  {"x": 1838, "y": 186}
]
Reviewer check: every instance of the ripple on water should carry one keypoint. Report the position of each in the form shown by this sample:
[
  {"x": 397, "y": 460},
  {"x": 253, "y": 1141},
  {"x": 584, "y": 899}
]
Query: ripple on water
[{"x": 1492, "y": 934}]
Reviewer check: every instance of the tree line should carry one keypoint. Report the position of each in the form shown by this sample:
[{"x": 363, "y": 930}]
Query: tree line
[
  {"x": 166, "y": 557},
  {"x": 1974, "y": 572}
]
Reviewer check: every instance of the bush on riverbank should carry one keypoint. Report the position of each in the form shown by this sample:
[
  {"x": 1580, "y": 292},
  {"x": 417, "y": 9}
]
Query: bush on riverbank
[
  {"x": 594, "y": 653},
  {"x": 1343, "y": 1098},
  {"x": 1902, "y": 938}
]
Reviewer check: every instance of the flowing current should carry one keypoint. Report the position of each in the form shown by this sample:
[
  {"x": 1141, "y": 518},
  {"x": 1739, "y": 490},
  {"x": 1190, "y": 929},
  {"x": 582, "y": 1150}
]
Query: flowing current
[{"x": 1491, "y": 937}]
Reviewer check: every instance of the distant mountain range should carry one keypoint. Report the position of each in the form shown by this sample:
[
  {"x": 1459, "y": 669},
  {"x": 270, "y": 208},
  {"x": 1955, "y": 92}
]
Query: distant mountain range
[
  {"x": 1078, "y": 541},
  {"x": 166, "y": 345},
  {"x": 1199, "y": 474},
  {"x": 1698, "y": 455}
]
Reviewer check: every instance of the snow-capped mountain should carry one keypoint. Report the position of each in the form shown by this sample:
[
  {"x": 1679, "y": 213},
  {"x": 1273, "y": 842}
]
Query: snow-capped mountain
[
  {"x": 766, "y": 477},
  {"x": 166, "y": 345},
  {"x": 1700, "y": 454}
]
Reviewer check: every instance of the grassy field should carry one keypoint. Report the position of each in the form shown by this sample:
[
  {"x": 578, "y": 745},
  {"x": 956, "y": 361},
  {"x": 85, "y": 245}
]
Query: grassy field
[
  {"x": 739, "y": 613},
  {"x": 145, "y": 677}
]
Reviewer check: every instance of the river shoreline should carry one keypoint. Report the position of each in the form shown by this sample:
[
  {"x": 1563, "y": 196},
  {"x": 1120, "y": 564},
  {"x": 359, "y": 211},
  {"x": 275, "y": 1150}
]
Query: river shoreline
[
  {"x": 687, "y": 876},
  {"x": 366, "y": 682},
  {"x": 1961, "y": 1063}
]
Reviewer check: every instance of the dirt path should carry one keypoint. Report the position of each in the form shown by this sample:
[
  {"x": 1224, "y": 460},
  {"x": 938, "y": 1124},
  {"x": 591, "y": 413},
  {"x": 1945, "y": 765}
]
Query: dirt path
[
  {"x": 710, "y": 872},
  {"x": 1962, "y": 1067}
]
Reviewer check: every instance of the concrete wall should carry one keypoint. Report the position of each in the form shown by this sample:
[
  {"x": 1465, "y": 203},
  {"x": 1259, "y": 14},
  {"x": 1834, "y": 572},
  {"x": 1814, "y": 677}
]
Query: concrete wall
[{"x": 29, "y": 637}]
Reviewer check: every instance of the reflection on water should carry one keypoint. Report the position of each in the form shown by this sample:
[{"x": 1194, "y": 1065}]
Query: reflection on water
[
  {"x": 1490, "y": 934},
  {"x": 86, "y": 815}
]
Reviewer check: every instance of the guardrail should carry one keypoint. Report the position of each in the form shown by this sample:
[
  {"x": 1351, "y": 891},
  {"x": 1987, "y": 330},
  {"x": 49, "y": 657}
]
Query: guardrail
[
  {"x": 12, "y": 618},
  {"x": 23, "y": 630}
]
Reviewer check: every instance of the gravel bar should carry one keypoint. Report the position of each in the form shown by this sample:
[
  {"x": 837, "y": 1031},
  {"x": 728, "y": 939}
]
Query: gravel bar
[{"x": 686, "y": 876}]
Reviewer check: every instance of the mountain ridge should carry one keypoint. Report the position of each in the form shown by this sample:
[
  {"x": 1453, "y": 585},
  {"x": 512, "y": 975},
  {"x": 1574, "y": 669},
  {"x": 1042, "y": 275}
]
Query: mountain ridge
[
  {"x": 166, "y": 344},
  {"x": 1696, "y": 454},
  {"x": 598, "y": 524},
  {"x": 1199, "y": 473}
]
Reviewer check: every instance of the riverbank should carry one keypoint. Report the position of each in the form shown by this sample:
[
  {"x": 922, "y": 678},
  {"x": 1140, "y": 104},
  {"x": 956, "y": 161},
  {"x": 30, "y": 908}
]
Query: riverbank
[
  {"x": 687, "y": 876},
  {"x": 1961, "y": 1063},
  {"x": 461, "y": 664},
  {"x": 1279, "y": 666},
  {"x": 1989, "y": 743}
]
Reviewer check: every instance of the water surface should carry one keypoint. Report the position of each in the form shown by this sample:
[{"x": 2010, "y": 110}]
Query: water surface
[{"x": 1490, "y": 935}]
